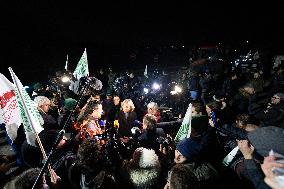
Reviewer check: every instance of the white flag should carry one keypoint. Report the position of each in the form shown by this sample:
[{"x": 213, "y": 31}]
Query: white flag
[
  {"x": 146, "y": 72},
  {"x": 10, "y": 113},
  {"x": 30, "y": 116},
  {"x": 66, "y": 64},
  {"x": 82, "y": 69}
]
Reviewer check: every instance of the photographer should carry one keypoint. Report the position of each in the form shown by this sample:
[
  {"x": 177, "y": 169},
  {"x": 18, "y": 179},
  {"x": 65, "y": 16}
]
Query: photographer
[
  {"x": 89, "y": 170},
  {"x": 63, "y": 156},
  {"x": 273, "y": 113},
  {"x": 150, "y": 133},
  {"x": 193, "y": 152},
  {"x": 27, "y": 178},
  {"x": 143, "y": 170},
  {"x": 69, "y": 105},
  {"x": 180, "y": 177},
  {"x": 260, "y": 143}
]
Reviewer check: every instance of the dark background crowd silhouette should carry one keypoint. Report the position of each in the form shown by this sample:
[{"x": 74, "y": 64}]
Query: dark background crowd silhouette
[
  {"x": 217, "y": 71},
  {"x": 123, "y": 134}
]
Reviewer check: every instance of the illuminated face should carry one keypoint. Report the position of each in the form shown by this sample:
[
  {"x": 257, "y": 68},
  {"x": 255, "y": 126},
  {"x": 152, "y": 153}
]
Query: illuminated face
[
  {"x": 45, "y": 107},
  {"x": 97, "y": 98},
  {"x": 126, "y": 108},
  {"x": 179, "y": 158},
  {"x": 152, "y": 111},
  {"x": 275, "y": 99},
  {"x": 97, "y": 113},
  {"x": 116, "y": 100},
  {"x": 194, "y": 112},
  {"x": 208, "y": 110}
]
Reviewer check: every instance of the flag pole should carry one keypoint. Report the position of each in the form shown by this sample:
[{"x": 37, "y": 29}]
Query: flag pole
[
  {"x": 66, "y": 64},
  {"x": 60, "y": 134},
  {"x": 28, "y": 115},
  {"x": 190, "y": 118},
  {"x": 87, "y": 61}
]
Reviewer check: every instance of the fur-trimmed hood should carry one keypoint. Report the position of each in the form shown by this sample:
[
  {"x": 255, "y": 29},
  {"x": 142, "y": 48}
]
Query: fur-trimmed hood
[
  {"x": 144, "y": 178},
  {"x": 143, "y": 168}
]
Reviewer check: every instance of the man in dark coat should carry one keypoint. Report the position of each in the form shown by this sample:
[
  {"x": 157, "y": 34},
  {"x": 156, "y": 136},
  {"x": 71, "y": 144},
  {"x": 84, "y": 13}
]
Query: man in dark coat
[{"x": 273, "y": 114}]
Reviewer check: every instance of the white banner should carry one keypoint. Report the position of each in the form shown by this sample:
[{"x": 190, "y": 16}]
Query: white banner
[{"x": 10, "y": 112}]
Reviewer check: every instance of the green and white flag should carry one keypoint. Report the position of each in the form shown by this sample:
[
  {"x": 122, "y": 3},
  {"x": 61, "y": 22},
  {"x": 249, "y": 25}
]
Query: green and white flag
[
  {"x": 30, "y": 116},
  {"x": 82, "y": 69},
  {"x": 185, "y": 128}
]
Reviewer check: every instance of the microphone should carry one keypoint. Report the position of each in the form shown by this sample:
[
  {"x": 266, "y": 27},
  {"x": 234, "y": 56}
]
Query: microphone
[
  {"x": 213, "y": 117},
  {"x": 139, "y": 123},
  {"x": 102, "y": 123}
]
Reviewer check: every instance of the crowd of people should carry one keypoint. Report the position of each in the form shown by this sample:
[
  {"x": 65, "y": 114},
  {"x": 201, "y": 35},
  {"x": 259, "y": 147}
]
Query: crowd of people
[{"x": 115, "y": 138}]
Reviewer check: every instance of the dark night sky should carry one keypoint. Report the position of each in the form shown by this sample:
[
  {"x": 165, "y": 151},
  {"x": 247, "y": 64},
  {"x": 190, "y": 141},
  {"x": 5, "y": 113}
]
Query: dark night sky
[{"x": 36, "y": 37}]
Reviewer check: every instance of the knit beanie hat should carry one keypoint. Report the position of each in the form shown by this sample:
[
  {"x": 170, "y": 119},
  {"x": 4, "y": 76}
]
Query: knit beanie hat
[
  {"x": 69, "y": 103},
  {"x": 189, "y": 148},
  {"x": 145, "y": 168},
  {"x": 145, "y": 158},
  {"x": 268, "y": 138}
]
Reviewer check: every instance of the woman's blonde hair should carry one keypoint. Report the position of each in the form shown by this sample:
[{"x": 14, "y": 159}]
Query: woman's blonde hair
[{"x": 129, "y": 102}]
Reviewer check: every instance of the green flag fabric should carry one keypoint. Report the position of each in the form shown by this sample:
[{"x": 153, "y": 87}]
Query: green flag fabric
[
  {"x": 82, "y": 69},
  {"x": 185, "y": 128},
  {"x": 30, "y": 116}
]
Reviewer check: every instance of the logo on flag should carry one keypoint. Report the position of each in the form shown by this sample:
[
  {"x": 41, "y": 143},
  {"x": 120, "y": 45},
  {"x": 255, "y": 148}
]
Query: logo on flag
[
  {"x": 30, "y": 116},
  {"x": 10, "y": 114},
  {"x": 82, "y": 69}
]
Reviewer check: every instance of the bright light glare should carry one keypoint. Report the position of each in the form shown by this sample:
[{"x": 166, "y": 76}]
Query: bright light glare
[
  {"x": 146, "y": 91},
  {"x": 65, "y": 79},
  {"x": 156, "y": 86},
  {"x": 178, "y": 89}
]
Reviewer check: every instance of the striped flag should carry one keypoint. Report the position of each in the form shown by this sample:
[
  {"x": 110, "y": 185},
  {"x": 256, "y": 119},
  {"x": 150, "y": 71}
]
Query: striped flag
[
  {"x": 30, "y": 116},
  {"x": 185, "y": 128}
]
